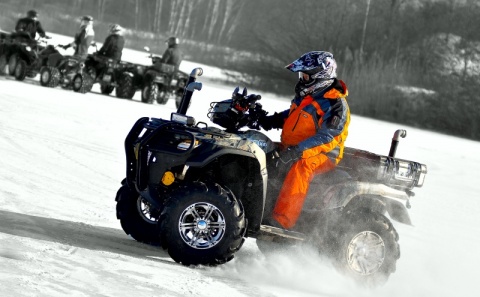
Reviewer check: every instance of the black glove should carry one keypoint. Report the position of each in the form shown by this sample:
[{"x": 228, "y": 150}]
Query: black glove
[
  {"x": 289, "y": 155},
  {"x": 273, "y": 121},
  {"x": 65, "y": 46}
]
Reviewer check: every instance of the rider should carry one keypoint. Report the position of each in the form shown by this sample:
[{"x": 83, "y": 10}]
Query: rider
[
  {"x": 172, "y": 54},
  {"x": 31, "y": 25},
  {"x": 112, "y": 48},
  {"x": 314, "y": 130},
  {"x": 114, "y": 43},
  {"x": 83, "y": 39}
]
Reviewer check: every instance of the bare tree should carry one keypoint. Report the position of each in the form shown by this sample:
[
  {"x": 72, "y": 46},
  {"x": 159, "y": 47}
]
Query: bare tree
[{"x": 364, "y": 29}]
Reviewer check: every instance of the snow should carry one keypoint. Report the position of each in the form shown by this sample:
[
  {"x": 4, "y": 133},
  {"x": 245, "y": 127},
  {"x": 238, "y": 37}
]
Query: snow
[{"x": 62, "y": 160}]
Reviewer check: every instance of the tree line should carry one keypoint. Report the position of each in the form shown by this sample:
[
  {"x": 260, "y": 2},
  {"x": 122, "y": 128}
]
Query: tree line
[{"x": 408, "y": 61}]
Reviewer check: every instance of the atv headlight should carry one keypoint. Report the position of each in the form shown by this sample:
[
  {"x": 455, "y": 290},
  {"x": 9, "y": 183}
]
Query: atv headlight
[
  {"x": 182, "y": 119},
  {"x": 185, "y": 145},
  {"x": 29, "y": 49}
]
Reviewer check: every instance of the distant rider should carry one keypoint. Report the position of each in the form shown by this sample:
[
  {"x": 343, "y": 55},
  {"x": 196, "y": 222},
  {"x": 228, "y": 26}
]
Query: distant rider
[
  {"x": 31, "y": 25},
  {"x": 173, "y": 54},
  {"x": 112, "y": 48},
  {"x": 83, "y": 39},
  {"x": 114, "y": 43}
]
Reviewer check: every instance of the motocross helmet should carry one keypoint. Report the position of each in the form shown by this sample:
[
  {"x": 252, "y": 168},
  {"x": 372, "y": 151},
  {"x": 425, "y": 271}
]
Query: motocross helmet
[
  {"x": 316, "y": 65},
  {"x": 86, "y": 18},
  {"x": 171, "y": 41},
  {"x": 116, "y": 29},
  {"x": 32, "y": 14}
]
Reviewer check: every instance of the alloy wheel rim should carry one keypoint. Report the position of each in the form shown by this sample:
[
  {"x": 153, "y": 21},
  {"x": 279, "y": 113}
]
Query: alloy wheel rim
[
  {"x": 77, "y": 82},
  {"x": 202, "y": 225},
  {"x": 366, "y": 252},
  {"x": 144, "y": 209},
  {"x": 45, "y": 76}
]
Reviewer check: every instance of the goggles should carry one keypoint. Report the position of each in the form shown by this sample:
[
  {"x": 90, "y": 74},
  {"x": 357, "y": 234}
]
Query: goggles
[
  {"x": 310, "y": 75},
  {"x": 305, "y": 77}
]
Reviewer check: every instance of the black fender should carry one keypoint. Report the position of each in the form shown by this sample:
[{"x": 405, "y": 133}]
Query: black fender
[{"x": 253, "y": 195}]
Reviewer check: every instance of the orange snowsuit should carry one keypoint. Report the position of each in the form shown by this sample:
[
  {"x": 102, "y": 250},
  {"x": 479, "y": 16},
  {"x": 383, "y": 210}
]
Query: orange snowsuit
[{"x": 318, "y": 126}]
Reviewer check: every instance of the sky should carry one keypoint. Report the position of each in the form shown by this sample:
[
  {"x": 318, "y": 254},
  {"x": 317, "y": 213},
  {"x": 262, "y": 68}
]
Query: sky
[{"x": 62, "y": 160}]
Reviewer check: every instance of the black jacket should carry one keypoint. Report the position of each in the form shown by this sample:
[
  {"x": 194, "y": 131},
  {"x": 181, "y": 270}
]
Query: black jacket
[
  {"x": 30, "y": 26},
  {"x": 172, "y": 56},
  {"x": 113, "y": 47}
]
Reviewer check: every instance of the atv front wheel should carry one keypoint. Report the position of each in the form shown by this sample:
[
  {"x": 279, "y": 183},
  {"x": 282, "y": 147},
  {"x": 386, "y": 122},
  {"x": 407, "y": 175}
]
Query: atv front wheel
[
  {"x": 162, "y": 97},
  {"x": 138, "y": 218},
  {"x": 149, "y": 93},
  {"x": 21, "y": 70},
  {"x": 49, "y": 76},
  {"x": 12, "y": 63},
  {"x": 368, "y": 247},
  {"x": 82, "y": 83},
  {"x": 125, "y": 87},
  {"x": 202, "y": 225},
  {"x": 106, "y": 89}
]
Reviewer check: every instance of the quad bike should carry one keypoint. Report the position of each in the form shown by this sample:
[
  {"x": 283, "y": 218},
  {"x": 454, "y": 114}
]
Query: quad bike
[
  {"x": 129, "y": 79},
  {"x": 199, "y": 191},
  {"x": 15, "y": 47},
  {"x": 69, "y": 72},
  {"x": 162, "y": 81},
  {"x": 31, "y": 58},
  {"x": 103, "y": 70}
]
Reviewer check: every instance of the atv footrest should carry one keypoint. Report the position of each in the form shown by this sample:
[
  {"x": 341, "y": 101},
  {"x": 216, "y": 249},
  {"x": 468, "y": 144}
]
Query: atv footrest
[{"x": 269, "y": 232}]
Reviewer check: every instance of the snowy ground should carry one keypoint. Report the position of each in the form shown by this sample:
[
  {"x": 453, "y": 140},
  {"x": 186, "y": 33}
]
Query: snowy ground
[{"x": 61, "y": 163}]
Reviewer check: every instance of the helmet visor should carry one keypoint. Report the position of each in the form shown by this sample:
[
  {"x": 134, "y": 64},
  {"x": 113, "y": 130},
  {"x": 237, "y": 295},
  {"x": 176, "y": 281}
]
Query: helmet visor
[{"x": 304, "y": 77}]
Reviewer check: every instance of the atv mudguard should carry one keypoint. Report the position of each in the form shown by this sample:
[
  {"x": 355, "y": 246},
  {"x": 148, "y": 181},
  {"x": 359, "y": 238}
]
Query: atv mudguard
[{"x": 393, "y": 201}]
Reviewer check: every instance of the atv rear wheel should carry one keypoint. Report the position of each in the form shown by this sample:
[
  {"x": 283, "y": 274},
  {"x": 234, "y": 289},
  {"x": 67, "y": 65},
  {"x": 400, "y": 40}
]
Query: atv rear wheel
[
  {"x": 162, "y": 97},
  {"x": 3, "y": 64},
  {"x": 82, "y": 83},
  {"x": 49, "y": 76},
  {"x": 125, "y": 87},
  {"x": 12, "y": 63},
  {"x": 202, "y": 225},
  {"x": 21, "y": 70},
  {"x": 106, "y": 89},
  {"x": 137, "y": 217},
  {"x": 149, "y": 92},
  {"x": 368, "y": 248}
]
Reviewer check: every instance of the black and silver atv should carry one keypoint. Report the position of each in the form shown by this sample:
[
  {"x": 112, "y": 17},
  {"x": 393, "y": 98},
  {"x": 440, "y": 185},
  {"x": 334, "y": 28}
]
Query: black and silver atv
[{"x": 198, "y": 191}]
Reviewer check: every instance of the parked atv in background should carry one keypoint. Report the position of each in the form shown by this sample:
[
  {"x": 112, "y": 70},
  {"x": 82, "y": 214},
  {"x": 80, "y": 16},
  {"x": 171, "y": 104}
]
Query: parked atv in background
[
  {"x": 129, "y": 79},
  {"x": 69, "y": 73},
  {"x": 14, "y": 47},
  {"x": 32, "y": 58},
  {"x": 198, "y": 191},
  {"x": 161, "y": 81},
  {"x": 103, "y": 70}
]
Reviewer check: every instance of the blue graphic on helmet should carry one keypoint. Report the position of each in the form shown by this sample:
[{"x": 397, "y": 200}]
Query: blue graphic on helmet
[{"x": 317, "y": 64}]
